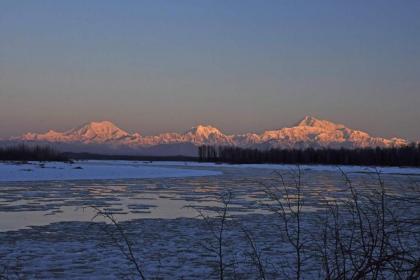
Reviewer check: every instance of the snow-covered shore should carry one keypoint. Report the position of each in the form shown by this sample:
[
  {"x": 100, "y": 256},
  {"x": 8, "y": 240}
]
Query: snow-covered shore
[
  {"x": 91, "y": 170},
  {"x": 320, "y": 167}
]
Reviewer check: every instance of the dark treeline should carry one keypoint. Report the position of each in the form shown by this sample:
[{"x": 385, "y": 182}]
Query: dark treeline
[
  {"x": 401, "y": 156},
  {"x": 30, "y": 153},
  {"x": 87, "y": 156}
]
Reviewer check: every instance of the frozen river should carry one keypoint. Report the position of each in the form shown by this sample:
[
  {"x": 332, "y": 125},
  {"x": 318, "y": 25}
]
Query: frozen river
[{"x": 46, "y": 212}]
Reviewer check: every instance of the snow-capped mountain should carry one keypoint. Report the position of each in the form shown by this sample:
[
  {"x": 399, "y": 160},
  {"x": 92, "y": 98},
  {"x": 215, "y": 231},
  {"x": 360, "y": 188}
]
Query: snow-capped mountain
[
  {"x": 94, "y": 132},
  {"x": 312, "y": 132},
  {"x": 309, "y": 132}
]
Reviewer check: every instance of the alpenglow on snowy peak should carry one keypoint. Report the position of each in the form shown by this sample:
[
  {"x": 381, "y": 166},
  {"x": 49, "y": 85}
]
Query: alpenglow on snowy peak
[
  {"x": 309, "y": 132},
  {"x": 314, "y": 122},
  {"x": 93, "y": 132}
]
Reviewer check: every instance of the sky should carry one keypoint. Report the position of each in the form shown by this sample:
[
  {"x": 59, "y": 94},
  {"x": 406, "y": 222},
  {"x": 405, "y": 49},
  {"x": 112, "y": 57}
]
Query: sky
[{"x": 157, "y": 66}]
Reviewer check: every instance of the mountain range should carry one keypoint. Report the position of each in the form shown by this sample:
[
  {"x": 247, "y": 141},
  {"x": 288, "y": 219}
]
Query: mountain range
[{"x": 106, "y": 137}]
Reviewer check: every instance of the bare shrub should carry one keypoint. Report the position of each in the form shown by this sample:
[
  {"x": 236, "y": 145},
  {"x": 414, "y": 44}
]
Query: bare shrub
[
  {"x": 120, "y": 239},
  {"x": 217, "y": 227},
  {"x": 368, "y": 232}
]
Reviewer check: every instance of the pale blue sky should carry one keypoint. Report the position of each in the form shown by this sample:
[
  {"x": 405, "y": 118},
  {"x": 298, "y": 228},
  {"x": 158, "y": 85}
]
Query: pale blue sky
[{"x": 154, "y": 66}]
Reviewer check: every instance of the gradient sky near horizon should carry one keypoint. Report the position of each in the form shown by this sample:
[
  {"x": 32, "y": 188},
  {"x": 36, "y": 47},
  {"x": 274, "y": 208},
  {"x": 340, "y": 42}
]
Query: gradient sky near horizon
[{"x": 157, "y": 66}]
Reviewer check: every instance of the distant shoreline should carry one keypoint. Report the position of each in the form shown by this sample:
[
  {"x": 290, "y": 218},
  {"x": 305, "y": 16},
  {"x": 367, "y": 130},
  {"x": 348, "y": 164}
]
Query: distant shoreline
[{"x": 92, "y": 156}]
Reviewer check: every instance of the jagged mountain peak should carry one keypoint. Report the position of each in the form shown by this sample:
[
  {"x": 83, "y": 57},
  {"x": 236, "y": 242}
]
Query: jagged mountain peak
[
  {"x": 315, "y": 122},
  {"x": 206, "y": 134},
  {"x": 99, "y": 130},
  {"x": 99, "y": 125},
  {"x": 307, "y": 121},
  {"x": 203, "y": 130}
]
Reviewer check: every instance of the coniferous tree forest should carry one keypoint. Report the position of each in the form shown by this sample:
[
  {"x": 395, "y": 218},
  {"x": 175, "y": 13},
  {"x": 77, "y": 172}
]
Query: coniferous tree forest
[
  {"x": 31, "y": 153},
  {"x": 396, "y": 156}
]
